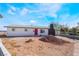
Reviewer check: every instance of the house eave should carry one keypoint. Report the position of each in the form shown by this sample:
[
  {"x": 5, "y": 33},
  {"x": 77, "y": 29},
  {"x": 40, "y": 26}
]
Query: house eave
[{"x": 26, "y": 27}]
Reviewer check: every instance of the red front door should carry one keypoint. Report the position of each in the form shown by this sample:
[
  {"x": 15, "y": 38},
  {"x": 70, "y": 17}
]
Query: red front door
[{"x": 36, "y": 31}]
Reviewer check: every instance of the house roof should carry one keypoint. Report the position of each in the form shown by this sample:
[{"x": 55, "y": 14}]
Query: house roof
[{"x": 26, "y": 26}]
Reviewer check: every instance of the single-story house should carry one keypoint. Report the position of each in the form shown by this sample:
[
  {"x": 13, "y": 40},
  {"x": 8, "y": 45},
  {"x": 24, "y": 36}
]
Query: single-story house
[{"x": 27, "y": 30}]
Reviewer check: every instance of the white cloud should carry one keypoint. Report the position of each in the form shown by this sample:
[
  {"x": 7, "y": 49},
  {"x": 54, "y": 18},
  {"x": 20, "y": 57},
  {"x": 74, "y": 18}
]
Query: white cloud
[
  {"x": 53, "y": 9},
  {"x": 40, "y": 16},
  {"x": 44, "y": 9},
  {"x": 10, "y": 12},
  {"x": 48, "y": 9},
  {"x": 53, "y": 15},
  {"x": 24, "y": 11},
  {"x": 32, "y": 21},
  {"x": 12, "y": 9},
  {"x": 69, "y": 20}
]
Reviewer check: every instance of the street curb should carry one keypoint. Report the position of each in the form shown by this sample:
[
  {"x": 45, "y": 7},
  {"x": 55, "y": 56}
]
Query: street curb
[{"x": 4, "y": 50}]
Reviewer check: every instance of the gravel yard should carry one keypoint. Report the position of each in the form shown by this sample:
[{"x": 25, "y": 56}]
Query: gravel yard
[{"x": 20, "y": 46}]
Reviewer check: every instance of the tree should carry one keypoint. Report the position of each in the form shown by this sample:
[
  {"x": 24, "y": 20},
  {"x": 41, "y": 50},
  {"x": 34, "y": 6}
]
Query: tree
[
  {"x": 74, "y": 30},
  {"x": 62, "y": 30},
  {"x": 66, "y": 29}
]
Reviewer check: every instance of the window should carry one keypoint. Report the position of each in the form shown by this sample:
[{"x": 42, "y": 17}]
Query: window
[
  {"x": 25, "y": 29},
  {"x": 42, "y": 31},
  {"x": 13, "y": 29}
]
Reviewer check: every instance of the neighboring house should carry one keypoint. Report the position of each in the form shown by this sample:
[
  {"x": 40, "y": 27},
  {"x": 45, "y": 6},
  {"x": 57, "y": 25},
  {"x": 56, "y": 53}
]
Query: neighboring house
[{"x": 26, "y": 30}]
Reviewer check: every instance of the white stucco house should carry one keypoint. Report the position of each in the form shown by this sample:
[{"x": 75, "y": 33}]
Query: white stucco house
[
  {"x": 20, "y": 30},
  {"x": 26, "y": 30}
]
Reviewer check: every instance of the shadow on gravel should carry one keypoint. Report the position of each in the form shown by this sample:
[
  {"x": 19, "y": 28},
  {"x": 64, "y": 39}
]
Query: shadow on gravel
[
  {"x": 53, "y": 40},
  {"x": 69, "y": 46},
  {"x": 71, "y": 36}
]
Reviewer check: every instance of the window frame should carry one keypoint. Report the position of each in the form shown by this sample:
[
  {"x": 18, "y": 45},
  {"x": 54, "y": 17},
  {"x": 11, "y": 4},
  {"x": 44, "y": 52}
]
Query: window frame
[
  {"x": 13, "y": 29},
  {"x": 42, "y": 31},
  {"x": 25, "y": 29}
]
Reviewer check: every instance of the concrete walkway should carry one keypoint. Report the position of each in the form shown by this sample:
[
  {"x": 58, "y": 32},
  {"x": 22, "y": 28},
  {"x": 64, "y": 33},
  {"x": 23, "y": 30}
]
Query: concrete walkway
[
  {"x": 3, "y": 50},
  {"x": 1, "y": 53}
]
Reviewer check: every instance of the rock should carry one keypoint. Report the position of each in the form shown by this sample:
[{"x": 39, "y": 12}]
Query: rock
[
  {"x": 29, "y": 40},
  {"x": 51, "y": 39},
  {"x": 44, "y": 39}
]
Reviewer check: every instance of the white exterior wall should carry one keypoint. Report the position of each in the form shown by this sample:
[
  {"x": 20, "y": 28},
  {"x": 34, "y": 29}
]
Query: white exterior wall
[
  {"x": 45, "y": 33},
  {"x": 22, "y": 32}
]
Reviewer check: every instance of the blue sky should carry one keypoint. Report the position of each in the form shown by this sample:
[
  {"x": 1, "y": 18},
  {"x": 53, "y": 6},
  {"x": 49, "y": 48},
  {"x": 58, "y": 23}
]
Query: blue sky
[{"x": 39, "y": 13}]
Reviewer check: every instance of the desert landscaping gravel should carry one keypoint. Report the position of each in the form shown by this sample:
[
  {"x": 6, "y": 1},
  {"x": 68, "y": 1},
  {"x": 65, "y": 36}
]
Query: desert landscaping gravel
[{"x": 20, "y": 46}]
